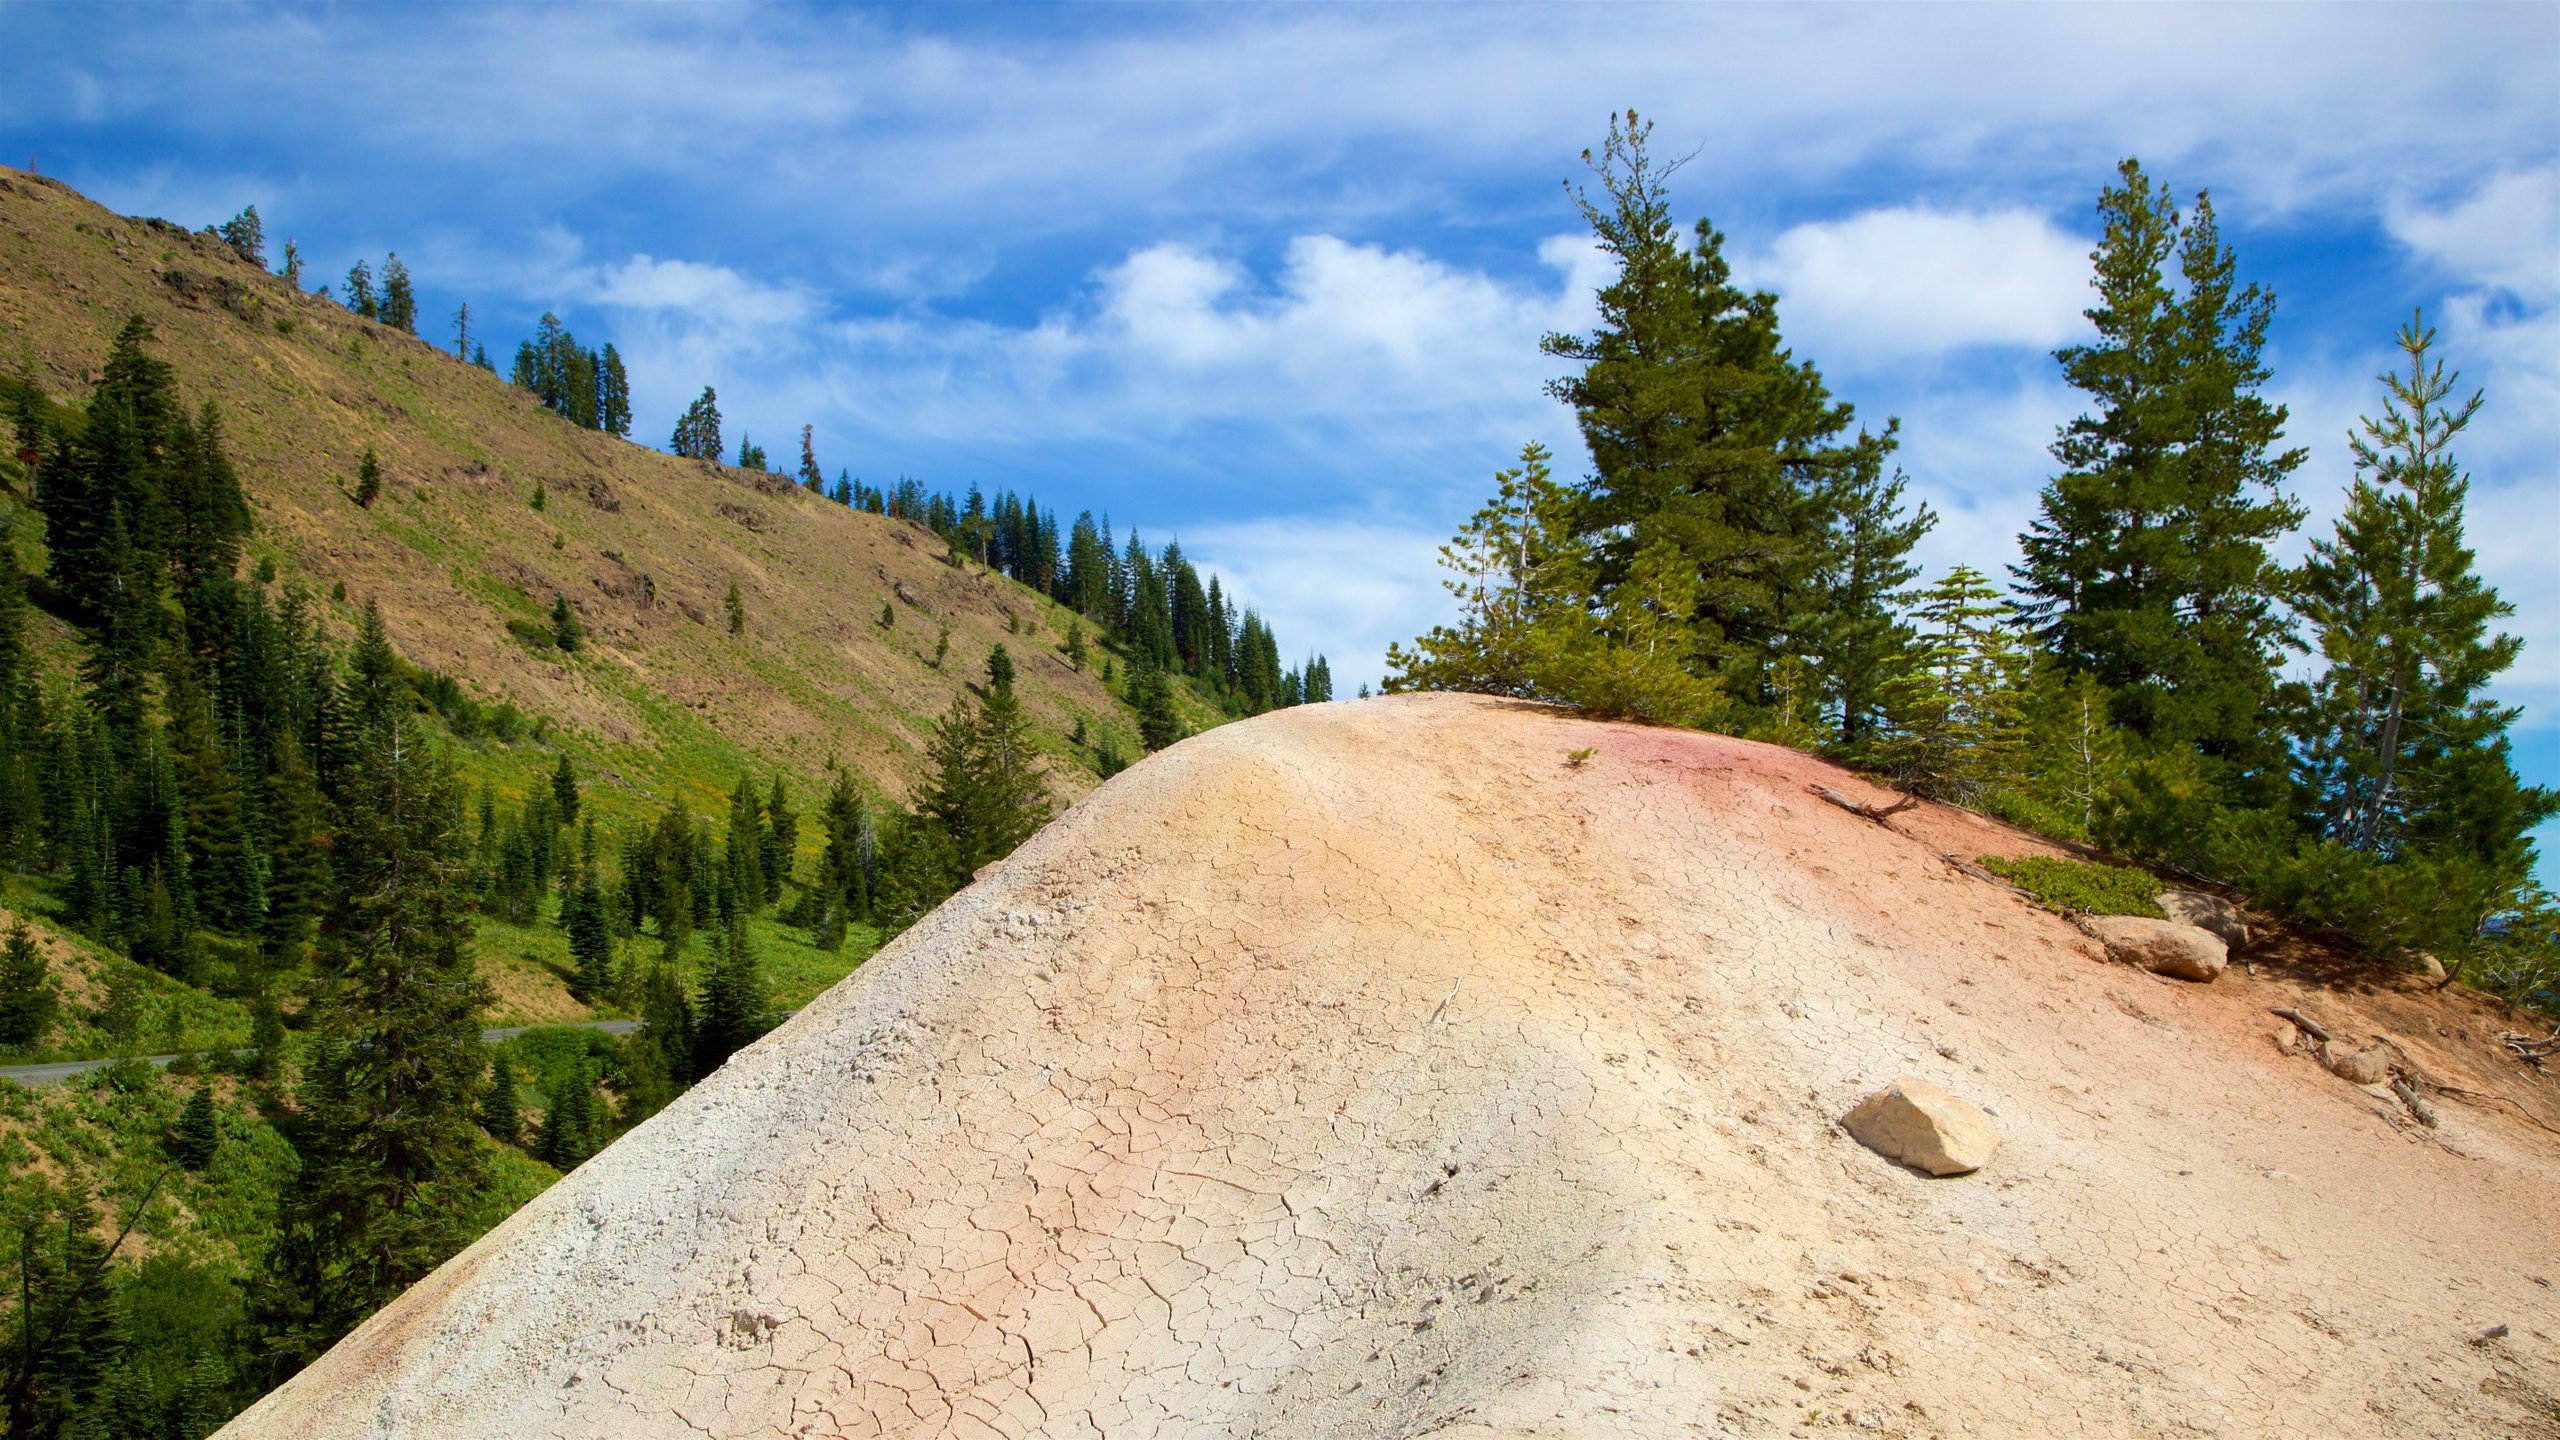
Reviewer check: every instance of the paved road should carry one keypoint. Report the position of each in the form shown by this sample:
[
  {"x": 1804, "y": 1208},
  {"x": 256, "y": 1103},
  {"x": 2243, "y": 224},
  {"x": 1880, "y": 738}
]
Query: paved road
[{"x": 60, "y": 1070}]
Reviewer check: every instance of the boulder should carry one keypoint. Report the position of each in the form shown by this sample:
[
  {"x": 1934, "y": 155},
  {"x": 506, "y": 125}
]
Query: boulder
[
  {"x": 2163, "y": 947},
  {"x": 1924, "y": 1127},
  {"x": 2430, "y": 970},
  {"x": 2367, "y": 1066},
  {"x": 2207, "y": 912}
]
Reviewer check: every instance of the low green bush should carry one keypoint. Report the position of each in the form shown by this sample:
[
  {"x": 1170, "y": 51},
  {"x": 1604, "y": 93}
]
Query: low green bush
[{"x": 2079, "y": 887}]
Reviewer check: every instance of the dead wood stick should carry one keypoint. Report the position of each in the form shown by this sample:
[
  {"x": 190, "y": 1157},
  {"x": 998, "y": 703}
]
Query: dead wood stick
[
  {"x": 1860, "y": 808},
  {"x": 2459, "y": 1093},
  {"x": 2303, "y": 1023},
  {"x": 2417, "y": 1103}
]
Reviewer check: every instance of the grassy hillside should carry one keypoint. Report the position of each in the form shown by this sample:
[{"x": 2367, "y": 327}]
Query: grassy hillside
[
  {"x": 644, "y": 545},
  {"x": 490, "y": 508}
]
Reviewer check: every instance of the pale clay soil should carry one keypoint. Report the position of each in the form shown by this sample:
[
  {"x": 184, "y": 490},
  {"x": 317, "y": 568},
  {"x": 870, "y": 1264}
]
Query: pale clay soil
[{"x": 1369, "y": 1070}]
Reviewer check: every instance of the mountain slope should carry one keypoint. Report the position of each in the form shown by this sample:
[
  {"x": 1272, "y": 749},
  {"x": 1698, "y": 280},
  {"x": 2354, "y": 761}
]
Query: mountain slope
[
  {"x": 645, "y": 546},
  {"x": 1390, "y": 1069}
]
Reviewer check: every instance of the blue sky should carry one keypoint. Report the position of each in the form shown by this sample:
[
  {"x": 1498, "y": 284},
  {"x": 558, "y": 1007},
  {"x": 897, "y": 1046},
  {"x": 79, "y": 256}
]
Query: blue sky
[{"x": 1270, "y": 280}]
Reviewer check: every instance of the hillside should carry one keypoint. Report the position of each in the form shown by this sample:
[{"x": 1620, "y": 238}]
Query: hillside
[
  {"x": 1393, "y": 1069},
  {"x": 645, "y": 546}
]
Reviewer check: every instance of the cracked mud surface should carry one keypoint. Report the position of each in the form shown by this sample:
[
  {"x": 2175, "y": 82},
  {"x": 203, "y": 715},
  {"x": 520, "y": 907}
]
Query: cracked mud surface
[{"x": 1365, "y": 1070}]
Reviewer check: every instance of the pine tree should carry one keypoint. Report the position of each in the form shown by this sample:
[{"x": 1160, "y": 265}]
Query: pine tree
[
  {"x": 199, "y": 1131},
  {"x": 779, "y": 841},
  {"x": 462, "y": 332},
  {"x": 360, "y": 296},
  {"x": 247, "y": 236},
  {"x": 27, "y": 999},
  {"x": 733, "y": 1000},
  {"x": 368, "y": 479},
  {"x": 2401, "y": 619},
  {"x": 1502, "y": 566},
  {"x": 1959, "y": 715},
  {"x": 399, "y": 300},
  {"x": 697, "y": 434},
  {"x": 590, "y": 942},
  {"x": 387, "y": 1129},
  {"x": 2147, "y": 563},
  {"x": 564, "y": 789},
  {"x": 1159, "y": 723},
  {"x": 566, "y": 632},
  {"x": 1858, "y": 644},
  {"x": 810, "y": 475},
  {"x": 613, "y": 395},
  {"x": 737, "y": 609},
  {"x": 1706, "y": 435},
  {"x": 569, "y": 1123}
]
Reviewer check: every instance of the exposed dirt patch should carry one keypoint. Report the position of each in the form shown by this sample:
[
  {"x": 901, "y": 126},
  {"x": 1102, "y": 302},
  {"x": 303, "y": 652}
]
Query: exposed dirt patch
[{"x": 1369, "y": 1070}]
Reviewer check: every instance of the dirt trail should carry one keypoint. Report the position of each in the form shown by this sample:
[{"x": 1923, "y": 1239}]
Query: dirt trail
[{"x": 1369, "y": 1070}]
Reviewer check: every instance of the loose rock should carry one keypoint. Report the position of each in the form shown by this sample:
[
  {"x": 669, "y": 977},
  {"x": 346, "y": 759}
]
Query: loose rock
[
  {"x": 2206, "y": 912},
  {"x": 2357, "y": 1067},
  {"x": 1924, "y": 1127},
  {"x": 2163, "y": 947}
]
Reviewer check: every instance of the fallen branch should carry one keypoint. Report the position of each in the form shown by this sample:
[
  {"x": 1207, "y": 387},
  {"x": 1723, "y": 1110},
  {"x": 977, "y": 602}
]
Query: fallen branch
[
  {"x": 2303, "y": 1023},
  {"x": 2528, "y": 1049},
  {"x": 1860, "y": 808},
  {"x": 2409, "y": 1096}
]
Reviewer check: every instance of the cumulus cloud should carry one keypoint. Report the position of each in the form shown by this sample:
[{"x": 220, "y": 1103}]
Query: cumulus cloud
[{"x": 1905, "y": 282}]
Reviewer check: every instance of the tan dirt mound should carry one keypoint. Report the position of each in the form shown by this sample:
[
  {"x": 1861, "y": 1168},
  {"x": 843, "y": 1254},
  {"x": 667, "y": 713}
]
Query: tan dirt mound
[{"x": 1368, "y": 1070}]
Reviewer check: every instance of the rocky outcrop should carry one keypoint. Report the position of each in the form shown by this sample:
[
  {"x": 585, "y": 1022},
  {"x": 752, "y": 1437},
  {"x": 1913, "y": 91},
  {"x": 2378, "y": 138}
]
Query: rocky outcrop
[
  {"x": 2163, "y": 947},
  {"x": 1924, "y": 1127}
]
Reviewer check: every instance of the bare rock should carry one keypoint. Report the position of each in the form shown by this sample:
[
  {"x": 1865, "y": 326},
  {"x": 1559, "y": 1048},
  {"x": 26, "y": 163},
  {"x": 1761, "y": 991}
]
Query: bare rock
[
  {"x": 2207, "y": 912},
  {"x": 2163, "y": 947},
  {"x": 2429, "y": 969},
  {"x": 1924, "y": 1127},
  {"x": 2367, "y": 1066}
]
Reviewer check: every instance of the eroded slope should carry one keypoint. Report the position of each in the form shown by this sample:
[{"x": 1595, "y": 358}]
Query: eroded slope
[{"x": 1368, "y": 1070}]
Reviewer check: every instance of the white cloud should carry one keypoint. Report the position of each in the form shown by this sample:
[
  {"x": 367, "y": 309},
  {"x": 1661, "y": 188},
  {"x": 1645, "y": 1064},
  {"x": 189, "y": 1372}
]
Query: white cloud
[
  {"x": 1912, "y": 282},
  {"x": 1345, "y": 589},
  {"x": 2504, "y": 236},
  {"x": 710, "y": 294}
]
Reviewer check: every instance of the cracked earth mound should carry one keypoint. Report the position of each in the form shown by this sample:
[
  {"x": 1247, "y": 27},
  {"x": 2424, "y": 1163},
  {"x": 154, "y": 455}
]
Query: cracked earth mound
[{"x": 1370, "y": 1070}]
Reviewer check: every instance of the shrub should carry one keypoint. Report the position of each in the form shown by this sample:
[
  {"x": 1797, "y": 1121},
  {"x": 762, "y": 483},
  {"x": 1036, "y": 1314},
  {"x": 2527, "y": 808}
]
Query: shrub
[{"x": 2078, "y": 887}]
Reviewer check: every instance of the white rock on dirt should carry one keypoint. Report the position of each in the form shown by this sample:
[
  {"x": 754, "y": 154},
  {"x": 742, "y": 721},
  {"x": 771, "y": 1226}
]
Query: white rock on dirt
[
  {"x": 2163, "y": 947},
  {"x": 1924, "y": 1127},
  {"x": 1359, "y": 1071},
  {"x": 2207, "y": 912}
]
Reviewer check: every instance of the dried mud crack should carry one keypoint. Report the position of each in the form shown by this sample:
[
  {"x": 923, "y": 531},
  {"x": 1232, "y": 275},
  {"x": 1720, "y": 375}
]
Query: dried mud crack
[{"x": 1367, "y": 1070}]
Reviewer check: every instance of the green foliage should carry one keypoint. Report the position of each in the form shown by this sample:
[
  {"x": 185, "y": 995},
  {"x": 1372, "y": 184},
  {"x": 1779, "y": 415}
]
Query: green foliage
[
  {"x": 247, "y": 236},
  {"x": 1957, "y": 716},
  {"x": 27, "y": 997},
  {"x": 368, "y": 479},
  {"x": 399, "y": 298},
  {"x": 199, "y": 1133},
  {"x": 2080, "y": 887},
  {"x": 732, "y": 1009},
  {"x": 737, "y": 607},
  {"x": 387, "y": 1129},
  {"x": 2147, "y": 564},
  {"x": 2400, "y": 750},
  {"x": 697, "y": 434},
  {"x": 566, "y": 631},
  {"x": 501, "y": 1110},
  {"x": 1716, "y": 453}
]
